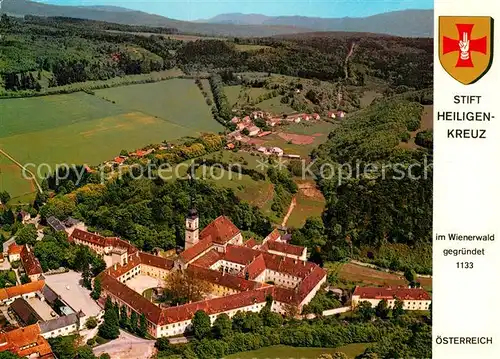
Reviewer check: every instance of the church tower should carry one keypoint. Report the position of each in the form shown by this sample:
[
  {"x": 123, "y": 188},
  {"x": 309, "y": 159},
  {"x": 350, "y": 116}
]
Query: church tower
[{"x": 192, "y": 229}]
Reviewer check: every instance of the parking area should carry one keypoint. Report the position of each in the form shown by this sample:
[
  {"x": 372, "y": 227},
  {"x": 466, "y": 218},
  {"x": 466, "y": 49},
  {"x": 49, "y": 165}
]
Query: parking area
[
  {"x": 142, "y": 282},
  {"x": 68, "y": 286}
]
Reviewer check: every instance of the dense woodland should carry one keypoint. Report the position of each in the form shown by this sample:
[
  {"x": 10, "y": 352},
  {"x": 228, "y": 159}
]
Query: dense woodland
[
  {"x": 152, "y": 213},
  {"x": 383, "y": 204}
]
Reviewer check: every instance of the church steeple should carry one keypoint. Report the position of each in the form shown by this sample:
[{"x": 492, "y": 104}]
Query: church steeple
[
  {"x": 192, "y": 229},
  {"x": 192, "y": 219}
]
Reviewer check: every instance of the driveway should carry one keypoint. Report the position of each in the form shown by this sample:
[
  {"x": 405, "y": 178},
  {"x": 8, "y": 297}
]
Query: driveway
[{"x": 127, "y": 346}]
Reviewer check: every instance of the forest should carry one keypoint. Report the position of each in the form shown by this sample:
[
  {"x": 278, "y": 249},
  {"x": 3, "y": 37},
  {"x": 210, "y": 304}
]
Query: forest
[
  {"x": 46, "y": 52},
  {"x": 381, "y": 194},
  {"x": 151, "y": 213}
]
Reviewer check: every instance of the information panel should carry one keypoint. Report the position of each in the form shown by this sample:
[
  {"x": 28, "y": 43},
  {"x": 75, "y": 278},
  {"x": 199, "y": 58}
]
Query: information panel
[{"x": 466, "y": 190}]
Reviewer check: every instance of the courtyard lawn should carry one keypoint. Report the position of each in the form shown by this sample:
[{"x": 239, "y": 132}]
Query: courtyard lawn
[
  {"x": 286, "y": 352},
  {"x": 177, "y": 101}
]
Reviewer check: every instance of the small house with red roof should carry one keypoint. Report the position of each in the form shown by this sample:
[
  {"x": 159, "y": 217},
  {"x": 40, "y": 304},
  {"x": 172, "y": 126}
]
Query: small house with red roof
[{"x": 412, "y": 298}]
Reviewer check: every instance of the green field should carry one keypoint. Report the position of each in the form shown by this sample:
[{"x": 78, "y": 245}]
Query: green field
[
  {"x": 178, "y": 101},
  {"x": 275, "y": 106},
  {"x": 251, "y": 47},
  {"x": 232, "y": 93},
  {"x": 286, "y": 352},
  {"x": 80, "y": 128},
  {"x": 306, "y": 207},
  {"x": 11, "y": 178}
]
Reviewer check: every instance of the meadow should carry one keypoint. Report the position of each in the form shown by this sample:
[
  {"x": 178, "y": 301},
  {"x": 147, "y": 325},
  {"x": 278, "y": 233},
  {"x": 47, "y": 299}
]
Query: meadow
[
  {"x": 178, "y": 101},
  {"x": 286, "y": 352},
  {"x": 80, "y": 128}
]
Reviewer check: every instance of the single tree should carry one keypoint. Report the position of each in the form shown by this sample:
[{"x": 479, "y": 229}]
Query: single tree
[
  {"x": 410, "y": 275},
  {"x": 222, "y": 326},
  {"x": 133, "y": 322},
  {"x": 109, "y": 329},
  {"x": 398, "y": 310},
  {"x": 201, "y": 325},
  {"x": 96, "y": 292},
  {"x": 91, "y": 323},
  {"x": 186, "y": 287},
  {"x": 382, "y": 309},
  {"x": 143, "y": 326},
  {"x": 365, "y": 310},
  {"x": 124, "y": 317}
]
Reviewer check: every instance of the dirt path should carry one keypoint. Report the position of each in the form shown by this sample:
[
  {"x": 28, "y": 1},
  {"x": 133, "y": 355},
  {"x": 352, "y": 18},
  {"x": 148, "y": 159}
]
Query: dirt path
[
  {"x": 293, "y": 203},
  {"x": 351, "y": 51},
  {"x": 33, "y": 177}
]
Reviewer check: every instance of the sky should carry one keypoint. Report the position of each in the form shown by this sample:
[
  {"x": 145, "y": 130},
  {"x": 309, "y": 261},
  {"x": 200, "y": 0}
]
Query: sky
[{"x": 204, "y": 9}]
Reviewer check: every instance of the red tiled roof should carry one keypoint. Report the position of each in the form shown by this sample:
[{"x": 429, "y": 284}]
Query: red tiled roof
[
  {"x": 277, "y": 263},
  {"x": 250, "y": 243},
  {"x": 28, "y": 338},
  {"x": 221, "y": 230},
  {"x": 309, "y": 282},
  {"x": 156, "y": 261},
  {"x": 119, "y": 159},
  {"x": 256, "y": 267},
  {"x": 240, "y": 255},
  {"x": 208, "y": 259},
  {"x": 214, "y": 306},
  {"x": 273, "y": 236},
  {"x": 200, "y": 247},
  {"x": 116, "y": 242},
  {"x": 15, "y": 249},
  {"x": 92, "y": 238},
  {"x": 133, "y": 261},
  {"x": 131, "y": 297},
  {"x": 30, "y": 263},
  {"x": 391, "y": 293},
  {"x": 283, "y": 248},
  {"x": 222, "y": 279},
  {"x": 18, "y": 290},
  {"x": 101, "y": 241}
]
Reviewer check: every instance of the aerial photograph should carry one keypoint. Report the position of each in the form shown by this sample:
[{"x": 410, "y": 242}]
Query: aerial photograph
[{"x": 216, "y": 179}]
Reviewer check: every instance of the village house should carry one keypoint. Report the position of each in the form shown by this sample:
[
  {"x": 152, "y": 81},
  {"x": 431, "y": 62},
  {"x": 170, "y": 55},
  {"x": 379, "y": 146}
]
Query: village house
[
  {"x": 238, "y": 273},
  {"x": 14, "y": 252},
  {"x": 141, "y": 153},
  {"x": 276, "y": 151},
  {"x": 30, "y": 263},
  {"x": 23, "y": 216},
  {"x": 273, "y": 121},
  {"x": 316, "y": 116},
  {"x": 26, "y": 342},
  {"x": 412, "y": 298},
  {"x": 119, "y": 160},
  {"x": 253, "y": 131}
]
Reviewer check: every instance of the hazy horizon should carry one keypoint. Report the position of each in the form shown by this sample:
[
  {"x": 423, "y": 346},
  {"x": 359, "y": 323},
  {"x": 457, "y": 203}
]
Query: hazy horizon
[{"x": 205, "y": 9}]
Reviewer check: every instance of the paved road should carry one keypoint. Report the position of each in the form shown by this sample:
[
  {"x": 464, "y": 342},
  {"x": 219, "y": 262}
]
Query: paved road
[{"x": 127, "y": 346}]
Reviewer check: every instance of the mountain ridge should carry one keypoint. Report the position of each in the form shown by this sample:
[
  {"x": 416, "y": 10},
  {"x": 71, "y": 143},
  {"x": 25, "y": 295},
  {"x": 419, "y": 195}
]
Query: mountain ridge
[
  {"x": 409, "y": 23},
  {"x": 412, "y": 22}
]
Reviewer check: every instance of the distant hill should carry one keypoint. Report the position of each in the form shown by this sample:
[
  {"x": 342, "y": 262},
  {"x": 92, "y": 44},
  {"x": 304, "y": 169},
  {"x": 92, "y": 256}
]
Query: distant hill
[
  {"x": 412, "y": 23},
  {"x": 132, "y": 17}
]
